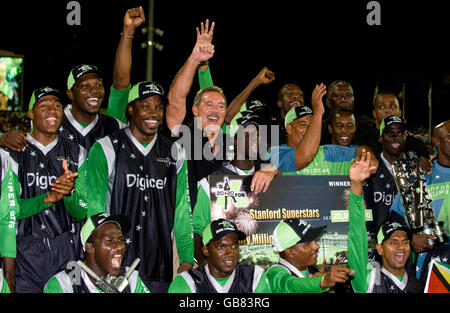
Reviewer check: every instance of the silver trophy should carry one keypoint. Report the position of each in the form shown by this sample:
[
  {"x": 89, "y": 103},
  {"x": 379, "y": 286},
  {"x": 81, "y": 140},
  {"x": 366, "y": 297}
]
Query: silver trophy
[
  {"x": 411, "y": 186},
  {"x": 111, "y": 283}
]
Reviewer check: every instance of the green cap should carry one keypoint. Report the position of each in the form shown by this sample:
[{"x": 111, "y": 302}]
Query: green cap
[
  {"x": 40, "y": 93},
  {"x": 292, "y": 231},
  {"x": 78, "y": 71},
  {"x": 296, "y": 113},
  {"x": 390, "y": 120}
]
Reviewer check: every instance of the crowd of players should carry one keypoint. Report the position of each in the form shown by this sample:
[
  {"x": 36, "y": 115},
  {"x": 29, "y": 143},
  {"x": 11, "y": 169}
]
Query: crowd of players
[{"x": 110, "y": 189}]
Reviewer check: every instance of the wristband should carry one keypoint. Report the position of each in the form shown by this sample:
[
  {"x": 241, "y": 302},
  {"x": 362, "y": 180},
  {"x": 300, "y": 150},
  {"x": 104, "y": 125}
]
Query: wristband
[
  {"x": 126, "y": 36},
  {"x": 203, "y": 63}
]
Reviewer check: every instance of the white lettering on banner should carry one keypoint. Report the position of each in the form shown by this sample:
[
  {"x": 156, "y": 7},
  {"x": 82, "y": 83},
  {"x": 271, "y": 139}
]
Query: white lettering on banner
[
  {"x": 339, "y": 183},
  {"x": 143, "y": 183},
  {"x": 40, "y": 181}
]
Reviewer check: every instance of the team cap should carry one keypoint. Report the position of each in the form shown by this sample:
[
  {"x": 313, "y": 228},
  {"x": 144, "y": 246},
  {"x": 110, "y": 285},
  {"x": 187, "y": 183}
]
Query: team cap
[
  {"x": 40, "y": 93},
  {"x": 219, "y": 228},
  {"x": 296, "y": 113},
  {"x": 292, "y": 231},
  {"x": 80, "y": 70}
]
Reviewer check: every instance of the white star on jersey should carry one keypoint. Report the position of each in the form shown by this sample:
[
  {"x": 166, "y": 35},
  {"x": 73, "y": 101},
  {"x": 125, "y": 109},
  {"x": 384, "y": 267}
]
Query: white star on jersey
[
  {"x": 71, "y": 137},
  {"x": 388, "y": 186},
  {"x": 33, "y": 153},
  {"x": 141, "y": 168},
  {"x": 61, "y": 129},
  {"x": 41, "y": 165},
  {"x": 115, "y": 141},
  {"x": 128, "y": 241},
  {"x": 43, "y": 227},
  {"x": 47, "y": 212},
  {"x": 132, "y": 156},
  {"x": 381, "y": 175},
  {"x": 444, "y": 260},
  {"x": 143, "y": 214},
  {"x": 146, "y": 198},
  {"x": 138, "y": 228}
]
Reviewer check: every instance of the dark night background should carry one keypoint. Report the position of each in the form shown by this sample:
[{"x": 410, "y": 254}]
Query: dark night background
[{"x": 303, "y": 42}]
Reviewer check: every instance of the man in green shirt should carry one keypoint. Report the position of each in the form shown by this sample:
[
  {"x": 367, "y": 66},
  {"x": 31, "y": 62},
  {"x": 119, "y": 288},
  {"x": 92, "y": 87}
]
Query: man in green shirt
[
  {"x": 103, "y": 240},
  {"x": 222, "y": 272},
  {"x": 140, "y": 173},
  {"x": 295, "y": 272},
  {"x": 387, "y": 274},
  {"x": 9, "y": 211}
]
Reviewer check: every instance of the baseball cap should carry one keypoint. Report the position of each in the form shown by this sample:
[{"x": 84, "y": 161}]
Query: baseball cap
[
  {"x": 40, "y": 93},
  {"x": 78, "y": 71},
  {"x": 296, "y": 113},
  {"x": 97, "y": 220},
  {"x": 292, "y": 231},
  {"x": 144, "y": 90},
  {"x": 248, "y": 118},
  {"x": 387, "y": 229},
  {"x": 390, "y": 120},
  {"x": 219, "y": 228}
]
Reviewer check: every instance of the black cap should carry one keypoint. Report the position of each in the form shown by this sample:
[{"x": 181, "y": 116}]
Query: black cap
[
  {"x": 219, "y": 228},
  {"x": 78, "y": 71},
  {"x": 391, "y": 120},
  {"x": 387, "y": 229},
  {"x": 40, "y": 93},
  {"x": 97, "y": 220},
  {"x": 144, "y": 90}
]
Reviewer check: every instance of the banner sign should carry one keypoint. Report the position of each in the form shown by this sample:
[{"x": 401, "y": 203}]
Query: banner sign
[{"x": 320, "y": 200}]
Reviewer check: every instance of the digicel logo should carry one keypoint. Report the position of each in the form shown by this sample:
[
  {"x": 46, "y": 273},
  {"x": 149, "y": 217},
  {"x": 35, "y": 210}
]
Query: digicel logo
[
  {"x": 142, "y": 183},
  {"x": 40, "y": 181}
]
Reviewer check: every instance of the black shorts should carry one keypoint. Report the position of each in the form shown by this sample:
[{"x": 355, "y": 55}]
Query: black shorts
[{"x": 38, "y": 259}]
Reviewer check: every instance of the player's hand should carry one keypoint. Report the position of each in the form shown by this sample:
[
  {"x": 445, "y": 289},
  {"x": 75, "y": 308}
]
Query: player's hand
[
  {"x": 185, "y": 266},
  {"x": 133, "y": 18},
  {"x": 360, "y": 168},
  {"x": 14, "y": 140},
  {"x": 264, "y": 77},
  {"x": 262, "y": 179},
  {"x": 425, "y": 165},
  {"x": 419, "y": 242},
  {"x": 316, "y": 98},
  {"x": 203, "y": 49},
  {"x": 337, "y": 274},
  {"x": 62, "y": 186}
]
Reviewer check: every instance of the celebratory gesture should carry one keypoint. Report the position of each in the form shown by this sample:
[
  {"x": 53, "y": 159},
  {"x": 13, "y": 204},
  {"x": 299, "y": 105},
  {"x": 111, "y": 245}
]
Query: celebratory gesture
[{"x": 62, "y": 186}]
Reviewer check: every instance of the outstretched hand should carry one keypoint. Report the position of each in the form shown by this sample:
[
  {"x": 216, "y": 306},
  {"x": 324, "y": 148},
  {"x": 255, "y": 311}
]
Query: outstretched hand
[
  {"x": 203, "y": 49},
  {"x": 360, "y": 169},
  {"x": 62, "y": 186},
  {"x": 316, "y": 98}
]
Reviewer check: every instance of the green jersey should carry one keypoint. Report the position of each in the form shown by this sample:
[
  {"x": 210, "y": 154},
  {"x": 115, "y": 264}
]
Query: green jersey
[{"x": 62, "y": 283}]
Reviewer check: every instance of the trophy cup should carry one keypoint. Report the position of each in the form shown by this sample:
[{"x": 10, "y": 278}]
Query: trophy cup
[
  {"x": 111, "y": 283},
  {"x": 411, "y": 186}
]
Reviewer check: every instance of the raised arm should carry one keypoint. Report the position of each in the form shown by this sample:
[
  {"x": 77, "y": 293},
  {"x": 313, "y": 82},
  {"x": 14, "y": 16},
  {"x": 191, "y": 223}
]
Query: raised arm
[
  {"x": 133, "y": 19},
  {"x": 264, "y": 77},
  {"x": 360, "y": 170},
  {"x": 181, "y": 85},
  {"x": 307, "y": 149}
]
